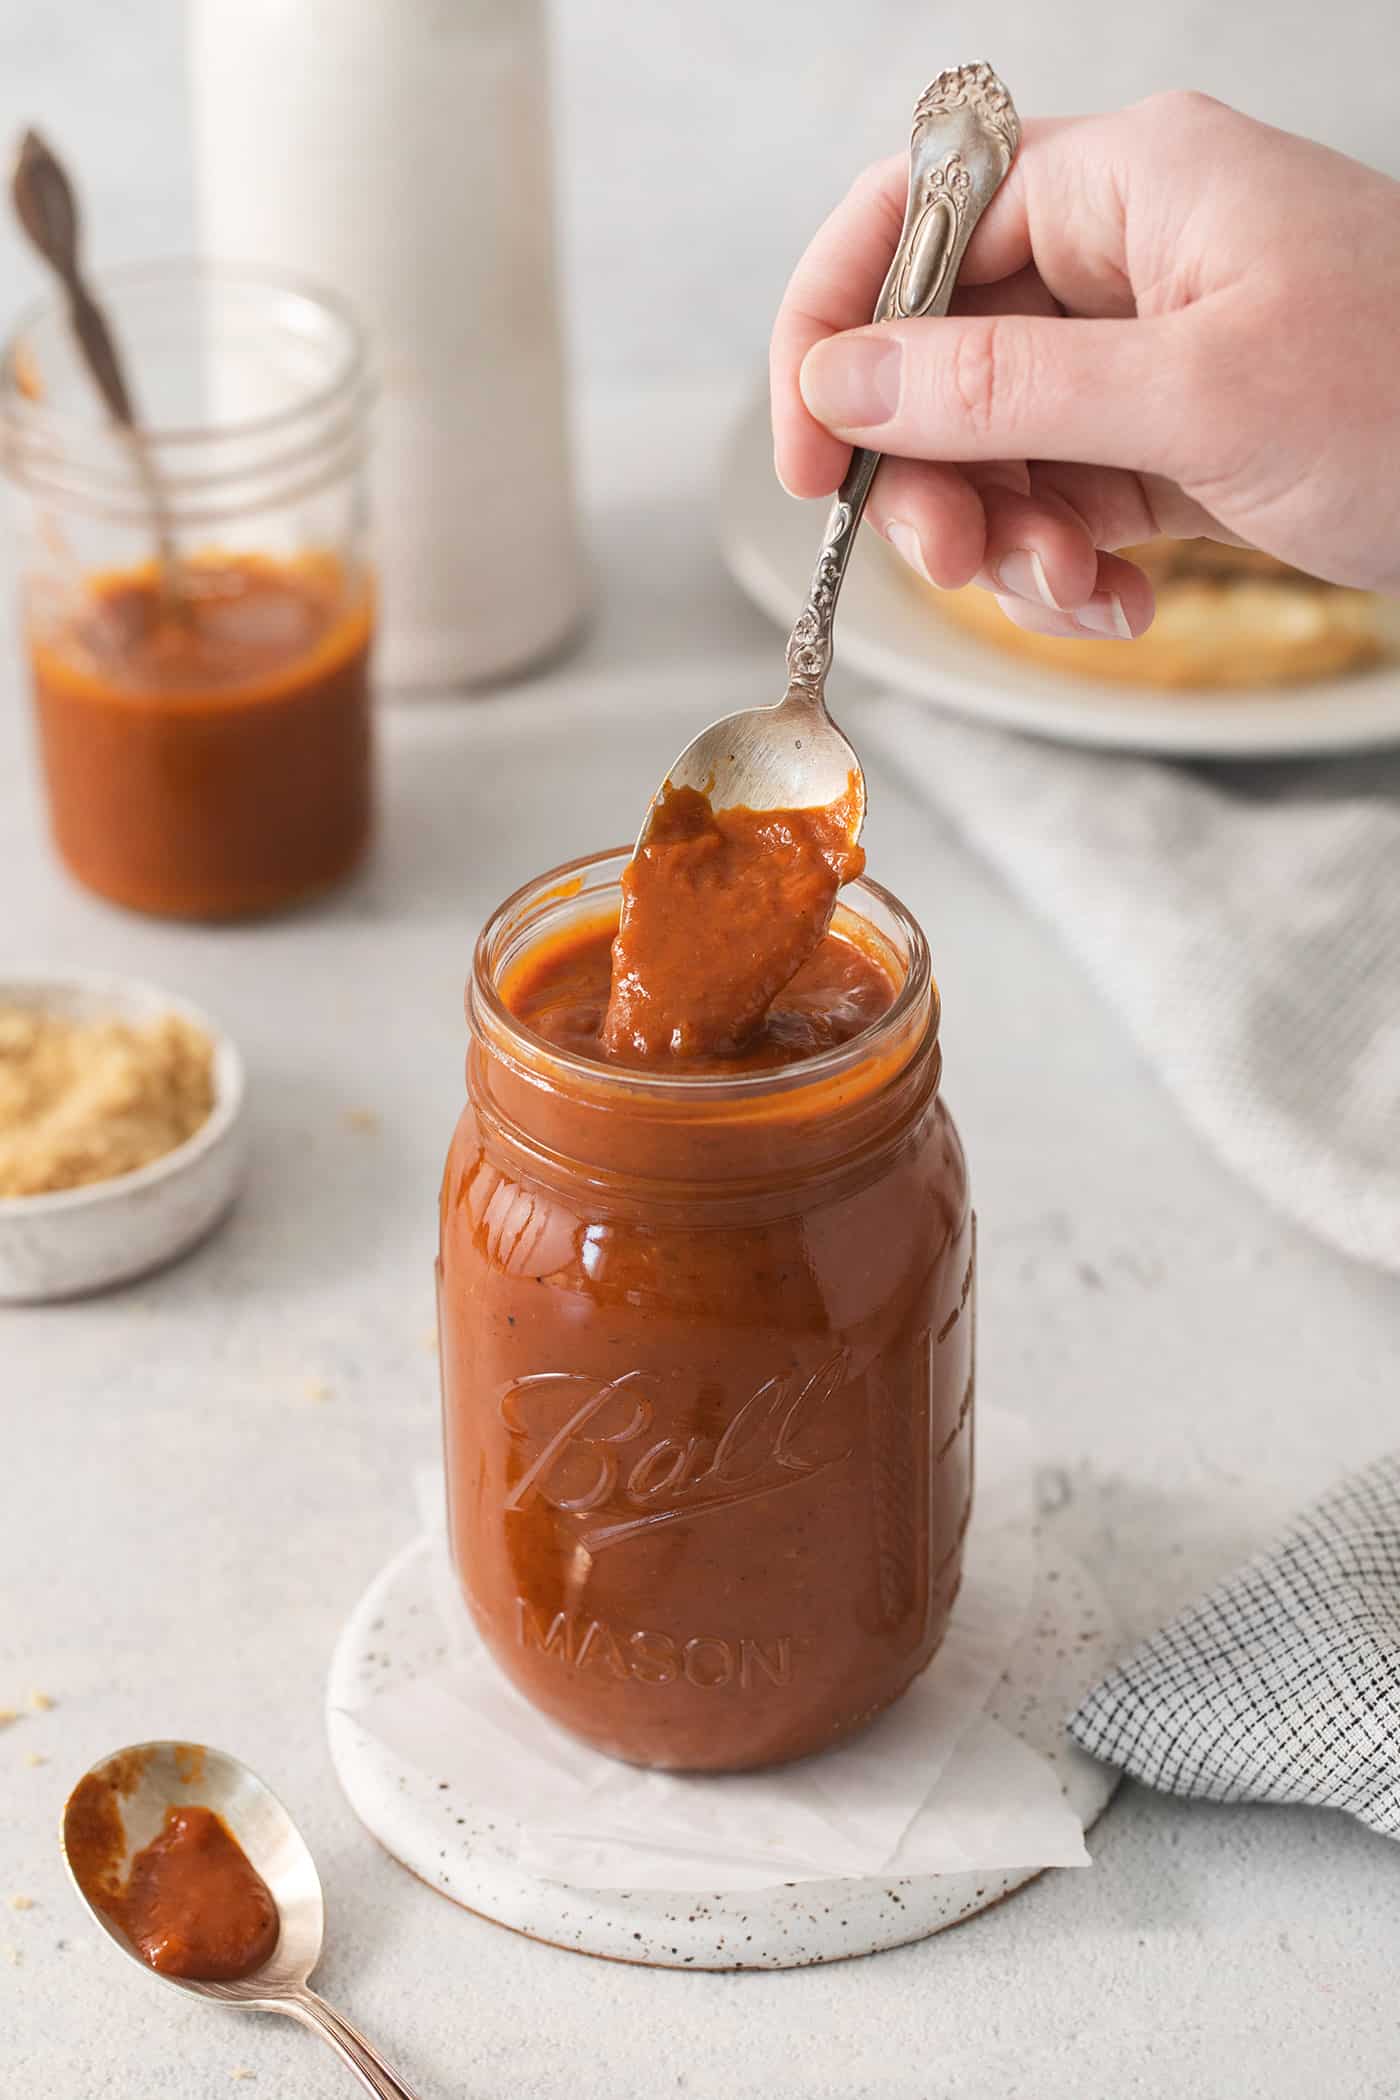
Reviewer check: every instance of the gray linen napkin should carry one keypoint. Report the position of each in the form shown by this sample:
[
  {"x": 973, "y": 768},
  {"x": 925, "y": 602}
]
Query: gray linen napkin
[
  {"x": 1284, "y": 1683},
  {"x": 1244, "y": 921}
]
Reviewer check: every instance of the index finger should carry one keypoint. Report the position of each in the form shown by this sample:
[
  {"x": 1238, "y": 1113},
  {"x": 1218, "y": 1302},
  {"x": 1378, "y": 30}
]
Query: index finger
[
  {"x": 834, "y": 286},
  {"x": 837, "y": 282}
]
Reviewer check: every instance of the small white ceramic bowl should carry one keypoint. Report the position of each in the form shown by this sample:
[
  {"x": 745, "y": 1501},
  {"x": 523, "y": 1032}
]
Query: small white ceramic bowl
[{"x": 85, "y": 1239}]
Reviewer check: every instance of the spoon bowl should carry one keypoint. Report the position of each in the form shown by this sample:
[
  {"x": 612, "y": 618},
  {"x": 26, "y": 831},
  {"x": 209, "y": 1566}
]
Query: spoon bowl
[
  {"x": 150, "y": 1778},
  {"x": 791, "y": 756},
  {"x": 154, "y": 1777}
]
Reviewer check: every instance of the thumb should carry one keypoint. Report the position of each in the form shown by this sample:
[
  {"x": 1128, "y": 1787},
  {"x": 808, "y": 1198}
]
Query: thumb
[{"x": 1009, "y": 386}]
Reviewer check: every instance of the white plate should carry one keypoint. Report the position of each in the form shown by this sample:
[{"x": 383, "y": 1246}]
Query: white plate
[
  {"x": 74, "y": 1241},
  {"x": 891, "y": 633}
]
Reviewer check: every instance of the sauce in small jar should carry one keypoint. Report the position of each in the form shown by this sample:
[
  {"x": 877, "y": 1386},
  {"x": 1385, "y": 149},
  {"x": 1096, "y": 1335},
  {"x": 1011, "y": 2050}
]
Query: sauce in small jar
[
  {"x": 210, "y": 759},
  {"x": 205, "y": 735},
  {"x": 707, "y": 1341}
]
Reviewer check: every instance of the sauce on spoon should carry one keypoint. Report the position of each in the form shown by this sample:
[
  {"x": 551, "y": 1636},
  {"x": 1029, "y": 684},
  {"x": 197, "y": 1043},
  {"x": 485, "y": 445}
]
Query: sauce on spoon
[
  {"x": 720, "y": 910},
  {"x": 192, "y": 1903}
]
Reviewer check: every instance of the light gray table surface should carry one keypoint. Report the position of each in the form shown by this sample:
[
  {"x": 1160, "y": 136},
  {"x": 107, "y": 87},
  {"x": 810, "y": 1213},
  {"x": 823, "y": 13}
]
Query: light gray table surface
[{"x": 185, "y": 1527}]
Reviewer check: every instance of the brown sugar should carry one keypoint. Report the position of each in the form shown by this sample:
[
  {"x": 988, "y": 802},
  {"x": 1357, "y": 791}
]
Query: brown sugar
[{"x": 82, "y": 1101}]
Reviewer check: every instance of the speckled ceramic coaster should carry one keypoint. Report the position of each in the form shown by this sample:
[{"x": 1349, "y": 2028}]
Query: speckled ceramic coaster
[{"x": 461, "y": 1846}]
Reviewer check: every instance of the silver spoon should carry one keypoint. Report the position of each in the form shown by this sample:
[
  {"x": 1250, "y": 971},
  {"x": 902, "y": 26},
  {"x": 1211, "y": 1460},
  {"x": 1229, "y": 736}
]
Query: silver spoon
[
  {"x": 47, "y": 208},
  {"x": 153, "y": 1777},
  {"x": 792, "y": 755}
]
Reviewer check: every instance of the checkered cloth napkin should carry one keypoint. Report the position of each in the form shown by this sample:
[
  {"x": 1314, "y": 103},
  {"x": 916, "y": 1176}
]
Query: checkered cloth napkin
[{"x": 1284, "y": 1683}]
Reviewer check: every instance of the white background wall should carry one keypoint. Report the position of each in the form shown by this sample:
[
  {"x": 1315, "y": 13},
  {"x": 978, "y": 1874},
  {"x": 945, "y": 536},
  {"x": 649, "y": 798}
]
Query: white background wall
[{"x": 700, "y": 142}]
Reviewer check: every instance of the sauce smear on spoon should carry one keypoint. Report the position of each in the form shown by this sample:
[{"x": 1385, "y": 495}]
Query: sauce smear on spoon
[
  {"x": 720, "y": 909},
  {"x": 192, "y": 1903}
]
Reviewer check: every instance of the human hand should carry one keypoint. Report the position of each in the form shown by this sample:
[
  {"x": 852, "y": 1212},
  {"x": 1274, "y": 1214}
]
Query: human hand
[{"x": 1171, "y": 319}]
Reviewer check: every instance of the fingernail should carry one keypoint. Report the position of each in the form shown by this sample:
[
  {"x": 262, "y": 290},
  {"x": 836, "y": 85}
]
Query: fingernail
[
  {"x": 1036, "y": 619},
  {"x": 851, "y": 382},
  {"x": 1104, "y": 614},
  {"x": 778, "y": 477},
  {"x": 1022, "y": 572},
  {"x": 908, "y": 546}
]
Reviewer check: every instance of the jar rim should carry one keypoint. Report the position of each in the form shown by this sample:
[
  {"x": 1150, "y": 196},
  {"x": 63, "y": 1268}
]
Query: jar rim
[
  {"x": 531, "y": 1050},
  {"x": 24, "y": 414}
]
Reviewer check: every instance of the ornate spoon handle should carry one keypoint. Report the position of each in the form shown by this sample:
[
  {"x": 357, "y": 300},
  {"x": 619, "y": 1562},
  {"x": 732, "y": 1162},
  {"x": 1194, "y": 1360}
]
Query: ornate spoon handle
[{"x": 964, "y": 139}]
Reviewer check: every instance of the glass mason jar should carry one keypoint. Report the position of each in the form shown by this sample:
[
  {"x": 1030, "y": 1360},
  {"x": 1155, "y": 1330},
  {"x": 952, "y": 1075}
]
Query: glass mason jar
[
  {"x": 707, "y": 1363},
  {"x": 203, "y": 722}
]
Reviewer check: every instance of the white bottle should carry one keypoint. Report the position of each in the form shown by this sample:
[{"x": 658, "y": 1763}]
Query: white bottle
[{"x": 399, "y": 152}]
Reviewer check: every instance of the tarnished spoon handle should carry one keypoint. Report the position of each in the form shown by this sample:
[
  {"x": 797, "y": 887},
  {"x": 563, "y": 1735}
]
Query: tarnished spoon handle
[{"x": 964, "y": 139}]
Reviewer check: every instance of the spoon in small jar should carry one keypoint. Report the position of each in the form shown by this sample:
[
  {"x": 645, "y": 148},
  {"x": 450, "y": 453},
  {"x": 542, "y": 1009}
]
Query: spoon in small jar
[
  {"x": 792, "y": 755},
  {"x": 47, "y": 208},
  {"x": 143, "y": 1782}
]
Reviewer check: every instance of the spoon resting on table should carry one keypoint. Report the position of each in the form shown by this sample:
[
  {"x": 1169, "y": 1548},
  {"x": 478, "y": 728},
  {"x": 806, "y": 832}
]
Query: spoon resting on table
[{"x": 192, "y": 1866}]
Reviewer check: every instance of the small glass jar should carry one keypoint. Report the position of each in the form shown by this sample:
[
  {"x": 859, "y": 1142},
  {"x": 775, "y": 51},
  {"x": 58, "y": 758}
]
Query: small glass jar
[
  {"x": 707, "y": 1363},
  {"x": 204, "y": 726}
]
